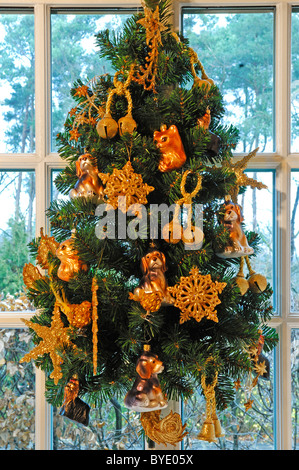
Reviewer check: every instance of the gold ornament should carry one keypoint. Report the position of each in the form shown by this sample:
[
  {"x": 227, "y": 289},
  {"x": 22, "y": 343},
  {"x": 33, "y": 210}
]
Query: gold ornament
[
  {"x": 171, "y": 147},
  {"x": 107, "y": 127},
  {"x": 146, "y": 76},
  {"x": 211, "y": 428},
  {"x": 31, "y": 274},
  {"x": 54, "y": 338},
  {"x": 242, "y": 179},
  {"x": 169, "y": 430},
  {"x": 70, "y": 262},
  {"x": 46, "y": 246},
  {"x": 94, "y": 289},
  {"x": 197, "y": 296},
  {"x": 257, "y": 283},
  {"x": 126, "y": 185},
  {"x": 78, "y": 315},
  {"x": 150, "y": 301},
  {"x": 173, "y": 232}
]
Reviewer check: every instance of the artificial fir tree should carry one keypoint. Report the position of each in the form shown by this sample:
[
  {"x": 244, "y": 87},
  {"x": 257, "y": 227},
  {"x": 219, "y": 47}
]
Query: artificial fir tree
[{"x": 148, "y": 136}]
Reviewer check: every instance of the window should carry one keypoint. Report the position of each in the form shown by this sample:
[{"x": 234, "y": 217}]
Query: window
[
  {"x": 247, "y": 52},
  {"x": 245, "y": 75}
]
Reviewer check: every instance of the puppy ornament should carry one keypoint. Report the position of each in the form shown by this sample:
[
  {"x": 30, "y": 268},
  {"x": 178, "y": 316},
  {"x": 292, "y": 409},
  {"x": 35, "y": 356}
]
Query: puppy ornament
[
  {"x": 146, "y": 394},
  {"x": 152, "y": 291},
  {"x": 232, "y": 219}
]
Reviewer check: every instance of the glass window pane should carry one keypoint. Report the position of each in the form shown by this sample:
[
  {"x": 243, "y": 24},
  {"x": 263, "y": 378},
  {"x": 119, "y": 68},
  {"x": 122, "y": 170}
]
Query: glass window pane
[
  {"x": 17, "y": 130},
  {"x": 17, "y": 228},
  {"x": 295, "y": 82},
  {"x": 243, "y": 430},
  {"x": 294, "y": 241},
  {"x": 295, "y": 387},
  {"x": 111, "y": 427},
  {"x": 74, "y": 56},
  {"x": 17, "y": 385},
  {"x": 244, "y": 75},
  {"x": 258, "y": 210}
]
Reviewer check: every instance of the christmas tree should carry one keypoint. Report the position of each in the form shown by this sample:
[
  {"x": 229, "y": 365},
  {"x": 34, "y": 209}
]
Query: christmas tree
[{"x": 125, "y": 288}]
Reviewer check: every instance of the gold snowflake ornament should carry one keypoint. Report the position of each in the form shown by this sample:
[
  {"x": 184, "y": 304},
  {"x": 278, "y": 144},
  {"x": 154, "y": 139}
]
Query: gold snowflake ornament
[
  {"x": 197, "y": 296},
  {"x": 124, "y": 188}
]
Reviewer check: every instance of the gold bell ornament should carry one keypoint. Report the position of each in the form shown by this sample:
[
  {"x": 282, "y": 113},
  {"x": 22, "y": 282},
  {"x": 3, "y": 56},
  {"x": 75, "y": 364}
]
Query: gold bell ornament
[
  {"x": 211, "y": 428},
  {"x": 126, "y": 124},
  {"x": 257, "y": 283},
  {"x": 107, "y": 127}
]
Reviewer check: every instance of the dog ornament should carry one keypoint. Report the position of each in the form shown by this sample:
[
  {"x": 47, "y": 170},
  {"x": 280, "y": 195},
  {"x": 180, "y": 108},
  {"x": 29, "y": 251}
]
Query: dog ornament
[
  {"x": 89, "y": 183},
  {"x": 153, "y": 266},
  {"x": 146, "y": 394},
  {"x": 232, "y": 220}
]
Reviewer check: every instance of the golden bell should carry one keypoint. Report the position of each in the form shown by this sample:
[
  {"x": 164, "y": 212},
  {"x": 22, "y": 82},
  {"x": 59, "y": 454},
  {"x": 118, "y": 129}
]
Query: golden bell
[
  {"x": 207, "y": 432},
  {"x": 257, "y": 283},
  {"x": 217, "y": 426},
  {"x": 126, "y": 124},
  {"x": 107, "y": 127},
  {"x": 242, "y": 284}
]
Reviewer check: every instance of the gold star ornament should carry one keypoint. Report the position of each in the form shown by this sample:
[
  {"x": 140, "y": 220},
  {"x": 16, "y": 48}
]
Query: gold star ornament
[
  {"x": 196, "y": 296},
  {"x": 54, "y": 338},
  {"x": 242, "y": 179}
]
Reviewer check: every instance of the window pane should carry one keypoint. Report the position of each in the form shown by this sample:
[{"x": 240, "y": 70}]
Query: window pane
[
  {"x": 75, "y": 56},
  {"x": 244, "y": 75},
  {"x": 17, "y": 130},
  {"x": 295, "y": 241},
  {"x": 17, "y": 384},
  {"x": 295, "y": 82},
  {"x": 17, "y": 228},
  {"x": 295, "y": 387},
  {"x": 243, "y": 430},
  {"x": 111, "y": 427},
  {"x": 258, "y": 210}
]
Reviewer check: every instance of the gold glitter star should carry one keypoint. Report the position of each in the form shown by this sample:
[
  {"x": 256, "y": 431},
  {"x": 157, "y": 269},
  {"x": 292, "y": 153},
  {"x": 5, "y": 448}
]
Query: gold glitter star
[
  {"x": 242, "y": 179},
  {"x": 53, "y": 339},
  {"x": 197, "y": 296},
  {"x": 248, "y": 405}
]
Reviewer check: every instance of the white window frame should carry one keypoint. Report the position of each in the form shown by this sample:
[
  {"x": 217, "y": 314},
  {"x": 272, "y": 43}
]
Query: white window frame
[{"x": 282, "y": 161}]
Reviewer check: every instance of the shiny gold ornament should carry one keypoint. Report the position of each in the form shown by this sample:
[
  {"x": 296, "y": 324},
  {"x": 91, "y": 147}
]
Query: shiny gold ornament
[
  {"x": 169, "y": 430},
  {"x": 70, "y": 262},
  {"x": 171, "y": 147},
  {"x": 207, "y": 432},
  {"x": 150, "y": 301},
  {"x": 124, "y": 188},
  {"x": 31, "y": 274},
  {"x": 126, "y": 124},
  {"x": 94, "y": 289},
  {"x": 241, "y": 178},
  {"x": 146, "y": 76},
  {"x": 46, "y": 246},
  {"x": 78, "y": 315},
  {"x": 54, "y": 339},
  {"x": 211, "y": 428},
  {"x": 197, "y": 296},
  {"x": 107, "y": 127},
  {"x": 240, "y": 280},
  {"x": 173, "y": 232}
]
